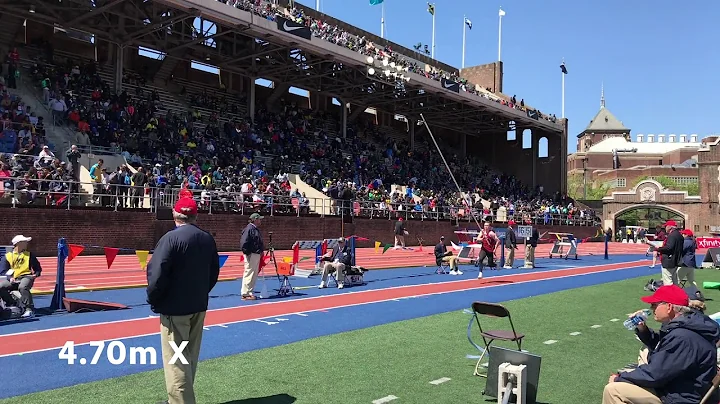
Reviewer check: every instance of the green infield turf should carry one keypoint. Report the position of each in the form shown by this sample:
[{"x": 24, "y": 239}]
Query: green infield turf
[{"x": 401, "y": 359}]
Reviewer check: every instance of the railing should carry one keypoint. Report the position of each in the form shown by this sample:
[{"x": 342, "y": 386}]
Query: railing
[{"x": 18, "y": 192}]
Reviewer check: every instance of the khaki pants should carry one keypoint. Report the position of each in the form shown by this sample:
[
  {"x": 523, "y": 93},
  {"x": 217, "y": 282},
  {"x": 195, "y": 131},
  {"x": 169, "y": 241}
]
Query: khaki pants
[
  {"x": 529, "y": 256},
  {"x": 686, "y": 273},
  {"x": 510, "y": 258},
  {"x": 180, "y": 377},
  {"x": 399, "y": 241},
  {"x": 339, "y": 272},
  {"x": 250, "y": 275},
  {"x": 669, "y": 276},
  {"x": 452, "y": 261},
  {"x": 626, "y": 393}
]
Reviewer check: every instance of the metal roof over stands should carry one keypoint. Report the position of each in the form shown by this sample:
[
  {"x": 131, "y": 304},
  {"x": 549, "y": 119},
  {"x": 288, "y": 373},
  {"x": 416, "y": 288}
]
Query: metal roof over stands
[{"x": 615, "y": 143}]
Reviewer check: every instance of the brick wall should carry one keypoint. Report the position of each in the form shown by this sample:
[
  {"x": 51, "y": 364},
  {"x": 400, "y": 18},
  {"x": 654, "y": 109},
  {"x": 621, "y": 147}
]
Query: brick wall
[{"x": 141, "y": 231}]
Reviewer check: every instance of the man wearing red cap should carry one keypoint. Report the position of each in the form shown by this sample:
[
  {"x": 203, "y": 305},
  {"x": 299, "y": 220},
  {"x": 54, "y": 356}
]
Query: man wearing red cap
[
  {"x": 671, "y": 253},
  {"x": 688, "y": 262},
  {"x": 183, "y": 270},
  {"x": 682, "y": 357}
]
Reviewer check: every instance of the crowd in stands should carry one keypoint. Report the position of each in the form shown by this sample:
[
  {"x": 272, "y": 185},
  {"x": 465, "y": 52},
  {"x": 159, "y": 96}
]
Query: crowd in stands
[
  {"x": 335, "y": 34},
  {"x": 226, "y": 161}
]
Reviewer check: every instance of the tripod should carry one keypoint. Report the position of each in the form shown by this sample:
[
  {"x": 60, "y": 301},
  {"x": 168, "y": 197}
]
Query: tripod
[{"x": 285, "y": 286}]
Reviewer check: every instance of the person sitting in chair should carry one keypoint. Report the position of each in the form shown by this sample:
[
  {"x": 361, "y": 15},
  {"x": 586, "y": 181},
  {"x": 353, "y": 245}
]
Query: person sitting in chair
[
  {"x": 336, "y": 260},
  {"x": 682, "y": 357},
  {"x": 443, "y": 255},
  {"x": 20, "y": 267}
]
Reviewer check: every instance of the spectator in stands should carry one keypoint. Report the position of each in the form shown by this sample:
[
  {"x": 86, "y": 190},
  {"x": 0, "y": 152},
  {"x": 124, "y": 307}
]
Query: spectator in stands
[
  {"x": 96, "y": 178},
  {"x": 338, "y": 259},
  {"x": 20, "y": 267},
  {"x": 682, "y": 358},
  {"x": 73, "y": 156},
  {"x": 253, "y": 249}
]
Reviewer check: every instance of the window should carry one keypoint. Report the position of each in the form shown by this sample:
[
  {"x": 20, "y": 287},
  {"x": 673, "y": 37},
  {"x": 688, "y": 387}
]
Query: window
[
  {"x": 543, "y": 147},
  {"x": 205, "y": 68},
  {"x": 204, "y": 28},
  {"x": 527, "y": 139},
  {"x": 151, "y": 53},
  {"x": 299, "y": 91},
  {"x": 264, "y": 83}
]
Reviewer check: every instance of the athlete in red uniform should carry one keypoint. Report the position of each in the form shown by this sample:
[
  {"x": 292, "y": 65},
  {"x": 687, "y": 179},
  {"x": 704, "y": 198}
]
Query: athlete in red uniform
[{"x": 490, "y": 243}]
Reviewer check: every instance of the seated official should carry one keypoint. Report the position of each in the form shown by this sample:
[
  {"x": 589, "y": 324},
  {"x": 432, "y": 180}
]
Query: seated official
[
  {"x": 443, "y": 255},
  {"x": 337, "y": 259},
  {"x": 682, "y": 357},
  {"x": 19, "y": 268}
]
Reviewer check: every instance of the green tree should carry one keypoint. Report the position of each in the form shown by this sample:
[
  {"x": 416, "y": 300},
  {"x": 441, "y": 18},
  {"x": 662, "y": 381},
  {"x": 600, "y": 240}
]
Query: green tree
[{"x": 595, "y": 190}]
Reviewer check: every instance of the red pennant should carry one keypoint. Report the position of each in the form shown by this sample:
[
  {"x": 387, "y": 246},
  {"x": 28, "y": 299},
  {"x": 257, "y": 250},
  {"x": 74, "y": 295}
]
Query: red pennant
[
  {"x": 110, "y": 254},
  {"x": 73, "y": 251},
  {"x": 324, "y": 247},
  {"x": 264, "y": 261},
  {"x": 296, "y": 253},
  {"x": 242, "y": 258}
]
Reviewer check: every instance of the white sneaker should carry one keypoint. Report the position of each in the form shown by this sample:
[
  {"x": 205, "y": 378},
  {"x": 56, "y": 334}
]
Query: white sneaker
[
  {"x": 322, "y": 285},
  {"x": 453, "y": 272},
  {"x": 341, "y": 285},
  {"x": 28, "y": 314},
  {"x": 480, "y": 275},
  {"x": 507, "y": 267},
  {"x": 458, "y": 272}
]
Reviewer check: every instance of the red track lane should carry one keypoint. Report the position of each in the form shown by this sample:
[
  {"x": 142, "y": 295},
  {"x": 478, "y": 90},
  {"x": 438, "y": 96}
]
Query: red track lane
[
  {"x": 91, "y": 272},
  {"x": 55, "y": 338}
]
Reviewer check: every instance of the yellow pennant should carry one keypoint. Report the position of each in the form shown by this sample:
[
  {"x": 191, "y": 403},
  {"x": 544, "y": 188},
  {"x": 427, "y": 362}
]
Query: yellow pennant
[
  {"x": 377, "y": 246},
  {"x": 142, "y": 258}
]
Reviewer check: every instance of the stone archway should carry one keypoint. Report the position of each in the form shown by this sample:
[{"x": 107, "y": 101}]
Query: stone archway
[{"x": 650, "y": 196}]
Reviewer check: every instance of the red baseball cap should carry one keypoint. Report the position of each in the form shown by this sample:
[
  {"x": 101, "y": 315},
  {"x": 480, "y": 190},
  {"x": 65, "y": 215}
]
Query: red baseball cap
[
  {"x": 687, "y": 232},
  {"x": 511, "y": 222},
  {"x": 672, "y": 294},
  {"x": 670, "y": 223},
  {"x": 186, "y": 206}
]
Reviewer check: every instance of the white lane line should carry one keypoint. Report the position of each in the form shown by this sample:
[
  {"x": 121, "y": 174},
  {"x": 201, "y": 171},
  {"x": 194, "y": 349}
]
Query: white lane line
[
  {"x": 440, "y": 381},
  {"x": 385, "y": 399},
  {"x": 222, "y": 325}
]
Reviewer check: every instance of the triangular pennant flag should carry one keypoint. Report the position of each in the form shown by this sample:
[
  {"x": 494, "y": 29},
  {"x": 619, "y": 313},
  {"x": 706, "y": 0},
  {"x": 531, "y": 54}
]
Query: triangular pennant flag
[
  {"x": 223, "y": 259},
  {"x": 387, "y": 247},
  {"x": 377, "y": 246},
  {"x": 242, "y": 258},
  {"x": 142, "y": 257},
  {"x": 303, "y": 259},
  {"x": 110, "y": 254},
  {"x": 287, "y": 260},
  {"x": 264, "y": 261},
  {"x": 73, "y": 251}
]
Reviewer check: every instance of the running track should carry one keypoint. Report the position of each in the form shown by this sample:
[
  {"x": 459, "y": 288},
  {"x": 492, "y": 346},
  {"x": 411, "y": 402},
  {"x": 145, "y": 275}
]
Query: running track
[
  {"x": 43, "y": 340},
  {"x": 91, "y": 272}
]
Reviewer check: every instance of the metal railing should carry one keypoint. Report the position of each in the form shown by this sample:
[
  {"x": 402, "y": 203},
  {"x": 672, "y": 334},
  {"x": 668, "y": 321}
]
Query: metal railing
[{"x": 18, "y": 192}]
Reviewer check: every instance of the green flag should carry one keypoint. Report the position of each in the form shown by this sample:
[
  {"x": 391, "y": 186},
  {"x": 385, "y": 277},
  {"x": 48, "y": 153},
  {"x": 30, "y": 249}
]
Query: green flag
[
  {"x": 387, "y": 247},
  {"x": 375, "y": 2}
]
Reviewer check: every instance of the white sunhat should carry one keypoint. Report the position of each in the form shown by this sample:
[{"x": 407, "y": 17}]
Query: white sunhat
[{"x": 19, "y": 239}]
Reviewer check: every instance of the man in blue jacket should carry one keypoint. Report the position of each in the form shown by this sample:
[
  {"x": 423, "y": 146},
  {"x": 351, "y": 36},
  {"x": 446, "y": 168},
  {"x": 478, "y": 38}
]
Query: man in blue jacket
[
  {"x": 183, "y": 270},
  {"x": 682, "y": 358}
]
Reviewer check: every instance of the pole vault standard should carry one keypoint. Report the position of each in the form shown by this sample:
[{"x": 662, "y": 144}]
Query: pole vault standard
[{"x": 447, "y": 167}]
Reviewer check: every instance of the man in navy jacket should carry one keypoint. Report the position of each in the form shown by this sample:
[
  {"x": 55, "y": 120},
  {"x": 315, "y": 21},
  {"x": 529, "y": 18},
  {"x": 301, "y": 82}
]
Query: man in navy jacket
[
  {"x": 682, "y": 358},
  {"x": 671, "y": 253},
  {"x": 183, "y": 270}
]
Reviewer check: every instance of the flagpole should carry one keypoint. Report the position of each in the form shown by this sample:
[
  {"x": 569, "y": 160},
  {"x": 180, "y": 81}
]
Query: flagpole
[
  {"x": 382, "y": 21},
  {"x": 433, "y": 35},
  {"x": 562, "y": 109},
  {"x": 500, "y": 16},
  {"x": 463, "y": 46}
]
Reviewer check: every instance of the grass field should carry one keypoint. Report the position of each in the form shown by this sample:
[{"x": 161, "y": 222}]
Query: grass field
[{"x": 401, "y": 358}]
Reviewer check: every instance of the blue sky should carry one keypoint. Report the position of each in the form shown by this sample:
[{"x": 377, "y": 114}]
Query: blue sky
[{"x": 659, "y": 60}]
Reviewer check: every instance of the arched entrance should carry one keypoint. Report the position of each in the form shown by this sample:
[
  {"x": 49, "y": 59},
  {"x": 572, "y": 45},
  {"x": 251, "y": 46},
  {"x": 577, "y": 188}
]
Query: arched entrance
[{"x": 647, "y": 216}]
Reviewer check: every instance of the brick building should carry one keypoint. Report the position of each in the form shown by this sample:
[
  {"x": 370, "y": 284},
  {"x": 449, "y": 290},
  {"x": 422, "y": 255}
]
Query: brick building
[{"x": 607, "y": 141}]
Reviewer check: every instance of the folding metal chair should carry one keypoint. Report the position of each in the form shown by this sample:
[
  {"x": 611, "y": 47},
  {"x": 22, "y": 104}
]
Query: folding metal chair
[
  {"x": 489, "y": 336},
  {"x": 443, "y": 266}
]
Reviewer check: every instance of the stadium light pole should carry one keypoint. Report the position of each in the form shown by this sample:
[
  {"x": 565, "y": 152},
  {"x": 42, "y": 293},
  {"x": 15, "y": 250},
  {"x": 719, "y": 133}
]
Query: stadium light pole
[
  {"x": 501, "y": 13},
  {"x": 464, "y": 31},
  {"x": 563, "y": 72},
  {"x": 433, "y": 34},
  {"x": 317, "y": 5},
  {"x": 382, "y": 21}
]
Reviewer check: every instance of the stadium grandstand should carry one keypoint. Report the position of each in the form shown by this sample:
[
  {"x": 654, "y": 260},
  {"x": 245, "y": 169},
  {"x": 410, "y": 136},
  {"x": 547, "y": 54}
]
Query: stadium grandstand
[{"x": 218, "y": 97}]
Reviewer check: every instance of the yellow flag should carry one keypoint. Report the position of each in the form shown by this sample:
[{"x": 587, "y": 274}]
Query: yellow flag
[
  {"x": 377, "y": 246},
  {"x": 287, "y": 260},
  {"x": 142, "y": 257}
]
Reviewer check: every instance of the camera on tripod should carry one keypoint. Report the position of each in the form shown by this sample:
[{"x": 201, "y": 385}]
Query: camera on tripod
[{"x": 270, "y": 238}]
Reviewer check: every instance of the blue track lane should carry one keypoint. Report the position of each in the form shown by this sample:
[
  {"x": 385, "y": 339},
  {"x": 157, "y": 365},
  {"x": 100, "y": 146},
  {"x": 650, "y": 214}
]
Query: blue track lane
[
  {"x": 247, "y": 336},
  {"x": 227, "y": 294}
]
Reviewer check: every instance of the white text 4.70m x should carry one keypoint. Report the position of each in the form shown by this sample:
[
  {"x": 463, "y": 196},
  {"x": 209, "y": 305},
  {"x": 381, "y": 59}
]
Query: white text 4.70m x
[{"x": 118, "y": 354}]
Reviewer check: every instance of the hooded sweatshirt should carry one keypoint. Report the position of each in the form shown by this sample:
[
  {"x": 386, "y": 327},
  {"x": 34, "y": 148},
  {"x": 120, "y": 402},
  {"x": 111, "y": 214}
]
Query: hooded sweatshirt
[{"x": 682, "y": 359}]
